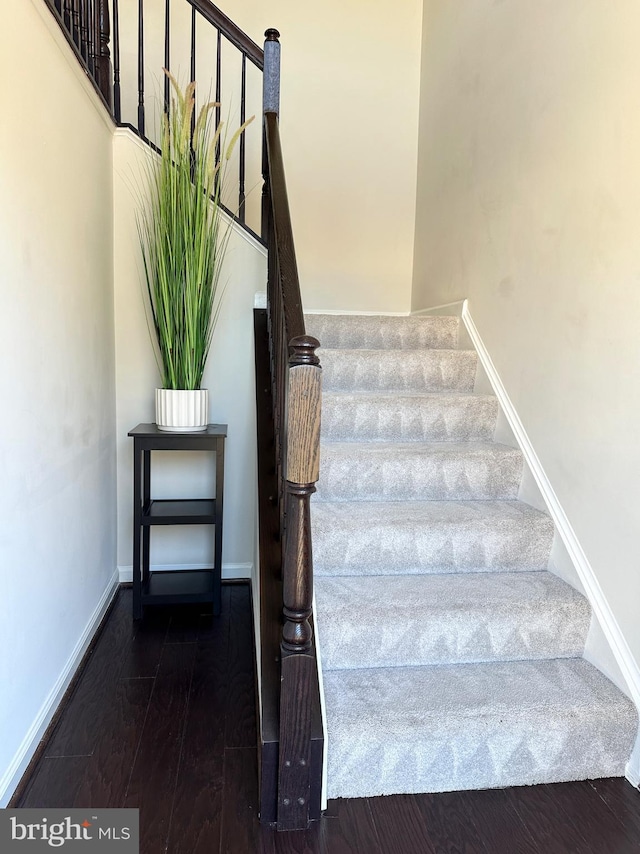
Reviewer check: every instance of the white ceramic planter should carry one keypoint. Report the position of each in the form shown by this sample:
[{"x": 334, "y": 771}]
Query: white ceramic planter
[{"x": 182, "y": 410}]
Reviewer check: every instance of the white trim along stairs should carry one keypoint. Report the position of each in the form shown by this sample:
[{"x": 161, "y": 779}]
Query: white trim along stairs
[{"x": 452, "y": 658}]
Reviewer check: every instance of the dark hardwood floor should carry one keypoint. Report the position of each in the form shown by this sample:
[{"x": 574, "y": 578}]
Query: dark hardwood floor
[{"x": 163, "y": 718}]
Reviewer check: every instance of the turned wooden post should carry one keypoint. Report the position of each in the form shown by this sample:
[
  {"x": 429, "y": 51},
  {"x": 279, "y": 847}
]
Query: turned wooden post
[
  {"x": 303, "y": 460},
  {"x": 297, "y": 667},
  {"x": 102, "y": 59}
]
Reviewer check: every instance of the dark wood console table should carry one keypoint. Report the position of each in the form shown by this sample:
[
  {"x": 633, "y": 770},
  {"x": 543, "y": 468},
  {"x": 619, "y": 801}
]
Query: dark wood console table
[{"x": 180, "y": 586}]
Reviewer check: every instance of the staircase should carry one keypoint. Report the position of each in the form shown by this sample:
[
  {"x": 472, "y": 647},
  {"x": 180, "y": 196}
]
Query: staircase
[{"x": 451, "y": 656}]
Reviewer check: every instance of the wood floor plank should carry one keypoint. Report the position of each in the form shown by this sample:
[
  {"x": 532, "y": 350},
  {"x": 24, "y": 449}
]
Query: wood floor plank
[
  {"x": 98, "y": 780},
  {"x": 593, "y": 819},
  {"x": 241, "y": 830},
  {"x": 121, "y": 728},
  {"x": 184, "y": 625},
  {"x": 153, "y": 779},
  {"x": 196, "y": 819},
  {"x": 142, "y": 657},
  {"x": 210, "y": 627},
  {"x": 623, "y": 800},
  {"x": 296, "y": 841},
  {"x": 77, "y": 733},
  {"x": 401, "y": 826},
  {"x": 349, "y": 830},
  {"x": 55, "y": 782},
  {"x": 545, "y": 820},
  {"x": 497, "y": 822},
  {"x": 241, "y": 717},
  {"x": 449, "y": 826}
]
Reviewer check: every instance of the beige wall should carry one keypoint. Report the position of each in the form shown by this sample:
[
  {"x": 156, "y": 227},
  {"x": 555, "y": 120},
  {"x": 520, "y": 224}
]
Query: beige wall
[
  {"x": 349, "y": 118},
  {"x": 529, "y": 205},
  {"x": 57, "y": 428},
  {"x": 229, "y": 376}
]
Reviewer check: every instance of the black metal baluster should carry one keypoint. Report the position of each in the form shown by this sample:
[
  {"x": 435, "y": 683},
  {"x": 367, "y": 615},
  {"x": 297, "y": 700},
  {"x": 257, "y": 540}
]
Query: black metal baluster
[
  {"x": 58, "y": 6},
  {"x": 243, "y": 116},
  {"x": 91, "y": 37},
  {"x": 192, "y": 68},
  {"x": 84, "y": 31},
  {"x": 75, "y": 22},
  {"x": 67, "y": 15},
  {"x": 218, "y": 108},
  {"x": 140, "y": 68},
  {"x": 116, "y": 63},
  {"x": 193, "y": 64},
  {"x": 167, "y": 53}
]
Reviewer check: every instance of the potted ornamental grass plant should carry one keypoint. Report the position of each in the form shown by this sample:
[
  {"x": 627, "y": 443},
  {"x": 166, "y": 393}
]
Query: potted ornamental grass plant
[{"x": 184, "y": 236}]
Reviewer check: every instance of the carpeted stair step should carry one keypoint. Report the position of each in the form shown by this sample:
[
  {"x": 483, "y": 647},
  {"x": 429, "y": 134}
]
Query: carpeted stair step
[
  {"x": 473, "y": 726},
  {"x": 389, "y": 417},
  {"x": 450, "y": 655},
  {"x": 398, "y": 370},
  {"x": 399, "y": 537},
  {"x": 383, "y": 332},
  {"x": 411, "y": 620},
  {"x": 382, "y": 471}
]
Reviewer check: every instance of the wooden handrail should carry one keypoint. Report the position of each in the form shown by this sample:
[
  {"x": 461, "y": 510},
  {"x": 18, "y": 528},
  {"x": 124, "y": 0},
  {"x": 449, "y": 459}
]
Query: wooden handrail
[
  {"x": 296, "y": 399},
  {"x": 230, "y": 31},
  {"x": 283, "y": 231}
]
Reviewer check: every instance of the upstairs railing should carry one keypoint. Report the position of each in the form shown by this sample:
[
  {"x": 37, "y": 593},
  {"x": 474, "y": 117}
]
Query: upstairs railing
[
  {"x": 296, "y": 395},
  {"x": 86, "y": 24},
  {"x": 291, "y": 785},
  {"x": 103, "y": 32}
]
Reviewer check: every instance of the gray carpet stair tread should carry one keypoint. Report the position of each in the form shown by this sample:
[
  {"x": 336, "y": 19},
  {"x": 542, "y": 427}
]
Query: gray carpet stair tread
[
  {"x": 388, "y": 537},
  {"x": 451, "y": 656},
  {"x": 448, "y": 619},
  {"x": 377, "y": 471},
  {"x": 475, "y": 726},
  {"x": 407, "y": 417},
  {"x": 399, "y": 370},
  {"x": 383, "y": 332}
]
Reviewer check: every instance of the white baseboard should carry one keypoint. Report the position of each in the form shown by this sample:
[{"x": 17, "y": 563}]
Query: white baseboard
[
  {"x": 18, "y": 766},
  {"x": 619, "y": 646},
  {"x": 357, "y": 312},
  {"x": 229, "y": 570},
  {"x": 323, "y": 707},
  {"x": 632, "y": 771},
  {"x": 449, "y": 308}
]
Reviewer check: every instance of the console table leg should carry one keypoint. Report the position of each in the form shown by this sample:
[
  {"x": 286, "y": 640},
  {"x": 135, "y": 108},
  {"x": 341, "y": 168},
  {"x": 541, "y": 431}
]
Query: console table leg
[
  {"x": 217, "y": 558},
  {"x": 146, "y": 501},
  {"x": 137, "y": 518}
]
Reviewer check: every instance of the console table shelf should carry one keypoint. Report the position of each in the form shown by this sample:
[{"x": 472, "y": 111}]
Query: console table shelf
[
  {"x": 182, "y": 586},
  {"x": 173, "y": 587},
  {"x": 186, "y": 511}
]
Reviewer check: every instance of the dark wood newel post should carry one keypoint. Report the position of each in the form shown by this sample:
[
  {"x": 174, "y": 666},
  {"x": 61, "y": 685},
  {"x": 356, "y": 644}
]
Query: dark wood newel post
[
  {"x": 303, "y": 443},
  {"x": 298, "y": 666},
  {"x": 297, "y": 591}
]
